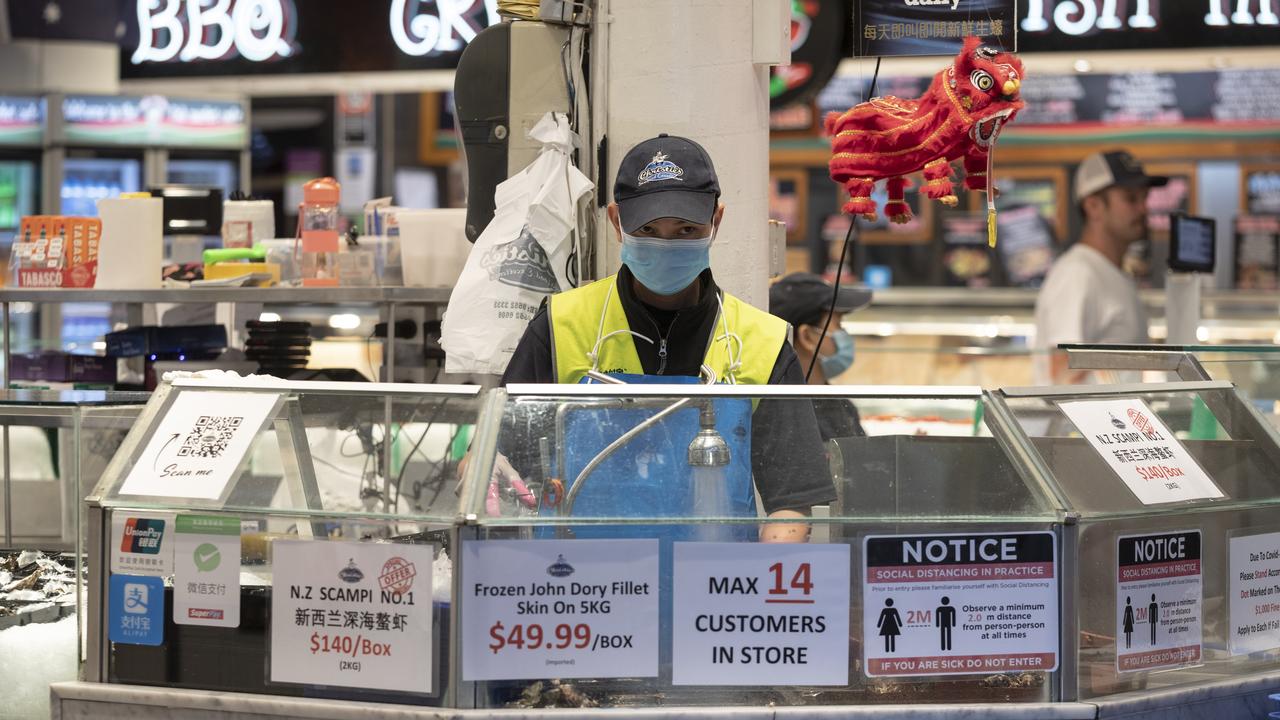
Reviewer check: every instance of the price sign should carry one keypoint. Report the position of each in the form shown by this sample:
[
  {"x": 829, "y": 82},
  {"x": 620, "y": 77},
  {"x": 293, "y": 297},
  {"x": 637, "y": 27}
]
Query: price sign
[
  {"x": 559, "y": 608},
  {"x": 761, "y": 614},
  {"x": 352, "y": 614},
  {"x": 1141, "y": 450}
]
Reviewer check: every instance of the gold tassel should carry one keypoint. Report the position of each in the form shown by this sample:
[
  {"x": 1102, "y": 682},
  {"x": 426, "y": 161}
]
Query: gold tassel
[{"x": 991, "y": 227}]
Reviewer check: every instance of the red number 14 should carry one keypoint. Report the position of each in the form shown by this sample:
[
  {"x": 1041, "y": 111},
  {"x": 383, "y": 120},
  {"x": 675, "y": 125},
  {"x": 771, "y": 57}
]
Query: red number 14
[{"x": 799, "y": 581}]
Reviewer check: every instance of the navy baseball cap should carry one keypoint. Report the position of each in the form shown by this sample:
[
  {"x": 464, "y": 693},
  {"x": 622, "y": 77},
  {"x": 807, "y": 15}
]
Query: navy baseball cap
[
  {"x": 666, "y": 176},
  {"x": 803, "y": 298}
]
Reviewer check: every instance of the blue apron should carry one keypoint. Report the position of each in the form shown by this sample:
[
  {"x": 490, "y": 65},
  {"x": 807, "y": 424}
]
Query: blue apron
[{"x": 650, "y": 476}]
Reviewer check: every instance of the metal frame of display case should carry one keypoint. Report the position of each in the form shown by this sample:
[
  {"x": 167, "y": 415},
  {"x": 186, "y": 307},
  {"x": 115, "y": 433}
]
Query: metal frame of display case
[
  {"x": 1250, "y": 424},
  {"x": 59, "y": 414}
]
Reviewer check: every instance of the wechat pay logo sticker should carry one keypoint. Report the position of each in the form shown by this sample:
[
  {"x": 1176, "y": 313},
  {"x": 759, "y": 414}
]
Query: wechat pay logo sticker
[{"x": 207, "y": 557}]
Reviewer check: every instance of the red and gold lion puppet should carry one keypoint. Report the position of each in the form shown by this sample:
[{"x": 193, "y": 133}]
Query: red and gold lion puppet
[{"x": 959, "y": 116}]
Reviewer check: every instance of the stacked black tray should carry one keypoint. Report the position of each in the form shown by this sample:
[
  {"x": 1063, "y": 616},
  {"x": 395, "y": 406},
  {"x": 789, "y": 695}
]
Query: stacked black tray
[{"x": 280, "y": 347}]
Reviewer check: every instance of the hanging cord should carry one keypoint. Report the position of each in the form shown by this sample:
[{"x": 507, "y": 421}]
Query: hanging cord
[{"x": 844, "y": 250}]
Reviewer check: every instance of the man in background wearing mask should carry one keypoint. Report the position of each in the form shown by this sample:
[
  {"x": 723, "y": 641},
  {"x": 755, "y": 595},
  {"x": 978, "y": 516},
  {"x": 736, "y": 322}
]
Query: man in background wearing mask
[
  {"x": 805, "y": 301},
  {"x": 1087, "y": 297},
  {"x": 662, "y": 314}
]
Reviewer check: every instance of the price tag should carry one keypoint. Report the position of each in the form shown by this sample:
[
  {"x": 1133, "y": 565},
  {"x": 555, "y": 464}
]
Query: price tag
[
  {"x": 352, "y": 614},
  {"x": 1141, "y": 450},
  {"x": 761, "y": 614},
  {"x": 559, "y": 608},
  {"x": 199, "y": 444}
]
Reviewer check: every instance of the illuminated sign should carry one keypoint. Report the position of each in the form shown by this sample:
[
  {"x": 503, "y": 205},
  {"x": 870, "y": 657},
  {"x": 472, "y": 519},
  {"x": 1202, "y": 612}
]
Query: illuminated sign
[
  {"x": 21, "y": 120},
  {"x": 1087, "y": 17},
  {"x": 443, "y": 29},
  {"x": 189, "y": 30},
  {"x": 152, "y": 120},
  {"x": 173, "y": 38}
]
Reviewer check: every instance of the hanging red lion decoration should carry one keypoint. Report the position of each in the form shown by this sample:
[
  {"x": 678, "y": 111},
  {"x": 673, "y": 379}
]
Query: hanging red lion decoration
[{"x": 959, "y": 116}]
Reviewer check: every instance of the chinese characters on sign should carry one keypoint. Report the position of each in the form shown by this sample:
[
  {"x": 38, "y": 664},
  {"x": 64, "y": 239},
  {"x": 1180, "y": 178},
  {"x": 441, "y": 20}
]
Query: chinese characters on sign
[
  {"x": 352, "y": 614},
  {"x": 1141, "y": 450},
  {"x": 206, "y": 571}
]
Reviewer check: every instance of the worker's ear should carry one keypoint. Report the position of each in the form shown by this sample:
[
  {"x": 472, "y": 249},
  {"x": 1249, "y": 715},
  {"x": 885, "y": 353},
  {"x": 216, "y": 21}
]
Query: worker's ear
[
  {"x": 805, "y": 338},
  {"x": 616, "y": 219},
  {"x": 715, "y": 219}
]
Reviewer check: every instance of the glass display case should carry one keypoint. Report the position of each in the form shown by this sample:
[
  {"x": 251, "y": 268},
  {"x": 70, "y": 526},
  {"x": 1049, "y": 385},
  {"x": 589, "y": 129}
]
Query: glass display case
[
  {"x": 277, "y": 537},
  {"x": 53, "y": 447},
  {"x": 640, "y": 545},
  {"x": 1254, "y": 369},
  {"x": 1173, "y": 495}
]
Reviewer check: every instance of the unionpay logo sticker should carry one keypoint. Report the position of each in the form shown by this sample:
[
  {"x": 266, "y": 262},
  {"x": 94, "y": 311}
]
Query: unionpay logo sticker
[
  {"x": 142, "y": 545},
  {"x": 142, "y": 535},
  {"x": 660, "y": 168}
]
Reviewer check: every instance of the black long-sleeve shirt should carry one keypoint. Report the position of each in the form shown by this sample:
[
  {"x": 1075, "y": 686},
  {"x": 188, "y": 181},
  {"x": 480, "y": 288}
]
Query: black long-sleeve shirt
[{"x": 788, "y": 459}]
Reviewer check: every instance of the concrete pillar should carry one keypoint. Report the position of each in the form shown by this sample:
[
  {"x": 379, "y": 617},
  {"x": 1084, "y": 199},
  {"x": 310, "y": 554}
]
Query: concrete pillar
[{"x": 697, "y": 68}]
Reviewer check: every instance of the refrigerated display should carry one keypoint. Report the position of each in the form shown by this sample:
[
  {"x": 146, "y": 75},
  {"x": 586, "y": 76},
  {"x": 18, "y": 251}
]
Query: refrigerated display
[
  {"x": 17, "y": 195},
  {"x": 85, "y": 181}
]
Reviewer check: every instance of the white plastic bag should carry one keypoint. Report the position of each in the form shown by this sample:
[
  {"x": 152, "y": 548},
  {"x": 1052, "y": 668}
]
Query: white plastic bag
[{"x": 521, "y": 257}]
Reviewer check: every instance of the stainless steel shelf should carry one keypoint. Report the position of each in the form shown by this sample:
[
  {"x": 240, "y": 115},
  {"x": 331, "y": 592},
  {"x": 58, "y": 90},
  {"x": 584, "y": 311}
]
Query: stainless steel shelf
[{"x": 319, "y": 296}]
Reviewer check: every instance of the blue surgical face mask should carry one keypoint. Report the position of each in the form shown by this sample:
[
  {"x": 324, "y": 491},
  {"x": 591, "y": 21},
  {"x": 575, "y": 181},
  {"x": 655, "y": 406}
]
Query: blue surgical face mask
[
  {"x": 842, "y": 360},
  {"x": 666, "y": 266}
]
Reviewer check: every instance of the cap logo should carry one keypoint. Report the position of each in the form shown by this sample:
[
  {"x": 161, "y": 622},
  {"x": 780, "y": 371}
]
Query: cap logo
[{"x": 660, "y": 168}]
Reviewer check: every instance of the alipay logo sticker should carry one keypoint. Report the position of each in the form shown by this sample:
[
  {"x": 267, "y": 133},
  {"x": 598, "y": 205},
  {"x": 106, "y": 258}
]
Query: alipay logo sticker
[{"x": 136, "y": 610}]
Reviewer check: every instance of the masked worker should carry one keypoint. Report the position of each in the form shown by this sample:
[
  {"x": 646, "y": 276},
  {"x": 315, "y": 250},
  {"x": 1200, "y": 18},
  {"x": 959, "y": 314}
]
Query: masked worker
[
  {"x": 662, "y": 318},
  {"x": 806, "y": 301}
]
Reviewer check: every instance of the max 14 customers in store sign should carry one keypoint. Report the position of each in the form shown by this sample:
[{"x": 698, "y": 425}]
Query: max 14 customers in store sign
[{"x": 261, "y": 30}]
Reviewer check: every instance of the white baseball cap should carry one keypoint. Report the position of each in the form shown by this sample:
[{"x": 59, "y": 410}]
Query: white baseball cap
[{"x": 1117, "y": 168}]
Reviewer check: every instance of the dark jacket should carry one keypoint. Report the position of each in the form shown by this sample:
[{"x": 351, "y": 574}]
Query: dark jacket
[{"x": 788, "y": 459}]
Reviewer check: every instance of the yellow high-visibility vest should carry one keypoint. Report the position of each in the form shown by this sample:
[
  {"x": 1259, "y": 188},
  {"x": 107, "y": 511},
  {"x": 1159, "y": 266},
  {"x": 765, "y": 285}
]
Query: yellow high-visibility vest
[{"x": 575, "y": 318}]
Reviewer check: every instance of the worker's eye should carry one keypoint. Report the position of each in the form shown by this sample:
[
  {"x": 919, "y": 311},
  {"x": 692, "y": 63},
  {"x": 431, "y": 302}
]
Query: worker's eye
[{"x": 982, "y": 80}]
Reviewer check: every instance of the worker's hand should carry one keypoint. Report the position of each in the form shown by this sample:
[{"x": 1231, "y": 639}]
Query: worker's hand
[
  {"x": 790, "y": 532},
  {"x": 505, "y": 478}
]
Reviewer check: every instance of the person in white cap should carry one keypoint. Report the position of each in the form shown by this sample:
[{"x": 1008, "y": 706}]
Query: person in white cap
[{"x": 1087, "y": 296}]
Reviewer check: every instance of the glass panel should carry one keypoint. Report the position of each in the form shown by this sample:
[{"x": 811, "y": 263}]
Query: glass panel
[
  {"x": 55, "y": 445},
  {"x": 1216, "y": 428},
  {"x": 239, "y": 659},
  {"x": 636, "y": 458},
  {"x": 647, "y": 463},
  {"x": 367, "y": 451}
]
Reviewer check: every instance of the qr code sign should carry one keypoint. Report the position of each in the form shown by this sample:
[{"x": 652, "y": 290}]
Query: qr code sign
[{"x": 209, "y": 437}]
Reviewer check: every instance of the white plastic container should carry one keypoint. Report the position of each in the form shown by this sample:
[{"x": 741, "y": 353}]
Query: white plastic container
[
  {"x": 131, "y": 251},
  {"x": 433, "y": 246}
]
